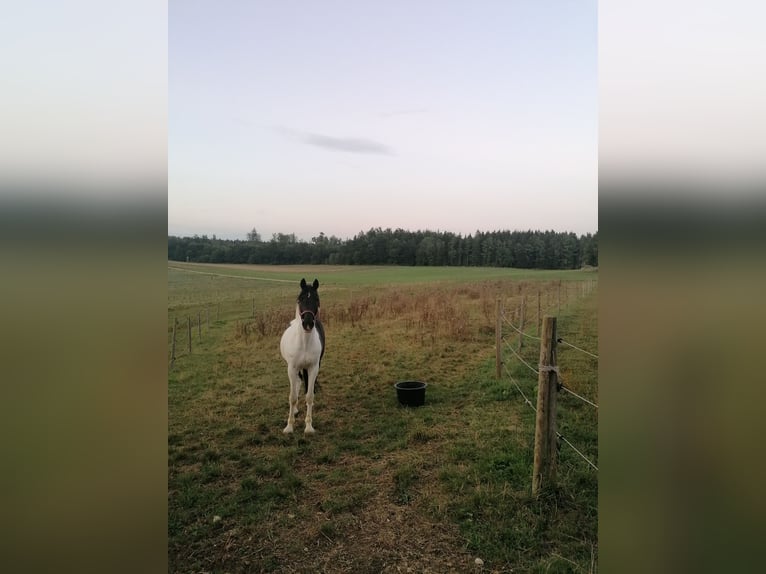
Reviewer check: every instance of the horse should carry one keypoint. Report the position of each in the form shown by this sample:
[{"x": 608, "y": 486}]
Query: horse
[{"x": 302, "y": 347}]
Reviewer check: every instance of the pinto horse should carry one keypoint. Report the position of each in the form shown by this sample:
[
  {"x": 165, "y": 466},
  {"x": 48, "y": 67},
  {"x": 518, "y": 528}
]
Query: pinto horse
[{"x": 302, "y": 346}]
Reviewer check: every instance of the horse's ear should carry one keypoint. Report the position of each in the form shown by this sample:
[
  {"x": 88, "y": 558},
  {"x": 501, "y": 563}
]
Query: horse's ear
[
  {"x": 316, "y": 284},
  {"x": 303, "y": 283}
]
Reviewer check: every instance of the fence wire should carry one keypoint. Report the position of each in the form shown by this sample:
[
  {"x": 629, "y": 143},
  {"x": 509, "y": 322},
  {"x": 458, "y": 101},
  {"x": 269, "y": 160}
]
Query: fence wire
[
  {"x": 568, "y": 344},
  {"x": 571, "y": 392},
  {"x": 585, "y": 458},
  {"x": 530, "y": 367},
  {"x": 515, "y": 328},
  {"x": 526, "y": 400}
]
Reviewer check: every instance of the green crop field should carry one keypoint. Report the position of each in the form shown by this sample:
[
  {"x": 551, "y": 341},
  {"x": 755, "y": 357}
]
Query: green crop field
[{"x": 379, "y": 487}]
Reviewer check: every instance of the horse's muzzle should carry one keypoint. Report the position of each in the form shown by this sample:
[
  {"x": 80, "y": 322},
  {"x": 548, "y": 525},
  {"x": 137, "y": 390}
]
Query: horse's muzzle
[{"x": 307, "y": 320}]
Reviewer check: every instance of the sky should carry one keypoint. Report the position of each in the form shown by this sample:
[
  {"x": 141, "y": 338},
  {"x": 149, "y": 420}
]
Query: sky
[{"x": 337, "y": 117}]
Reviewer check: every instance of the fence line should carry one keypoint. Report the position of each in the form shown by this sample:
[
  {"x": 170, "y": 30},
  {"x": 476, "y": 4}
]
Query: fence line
[
  {"x": 182, "y": 330},
  {"x": 542, "y": 309},
  {"x": 559, "y": 340},
  {"x": 547, "y": 437},
  {"x": 558, "y": 434}
]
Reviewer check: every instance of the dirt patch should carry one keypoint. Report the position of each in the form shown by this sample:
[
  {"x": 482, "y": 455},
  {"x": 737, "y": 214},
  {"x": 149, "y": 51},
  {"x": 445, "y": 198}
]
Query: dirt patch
[{"x": 383, "y": 536}]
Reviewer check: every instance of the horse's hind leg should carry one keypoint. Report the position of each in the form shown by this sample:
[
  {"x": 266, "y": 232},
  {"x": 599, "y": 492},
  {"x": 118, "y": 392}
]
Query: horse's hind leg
[{"x": 295, "y": 383}]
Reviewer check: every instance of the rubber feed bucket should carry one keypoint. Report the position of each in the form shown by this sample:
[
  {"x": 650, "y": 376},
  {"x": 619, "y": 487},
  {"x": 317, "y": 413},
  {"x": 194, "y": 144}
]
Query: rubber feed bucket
[{"x": 411, "y": 393}]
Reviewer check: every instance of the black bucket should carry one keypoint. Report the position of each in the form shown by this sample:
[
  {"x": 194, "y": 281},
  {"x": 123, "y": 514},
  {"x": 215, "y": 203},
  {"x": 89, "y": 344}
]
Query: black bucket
[{"x": 411, "y": 393}]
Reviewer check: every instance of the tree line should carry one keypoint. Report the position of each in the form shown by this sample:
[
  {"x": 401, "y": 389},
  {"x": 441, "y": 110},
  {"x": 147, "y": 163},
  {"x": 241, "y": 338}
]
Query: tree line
[{"x": 520, "y": 249}]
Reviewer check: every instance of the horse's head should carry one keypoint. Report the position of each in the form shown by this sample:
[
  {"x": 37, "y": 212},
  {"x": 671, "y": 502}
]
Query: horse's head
[{"x": 308, "y": 304}]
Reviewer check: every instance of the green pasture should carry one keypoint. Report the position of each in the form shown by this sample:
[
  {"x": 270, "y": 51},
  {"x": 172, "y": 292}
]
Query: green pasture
[
  {"x": 365, "y": 275},
  {"x": 379, "y": 488}
]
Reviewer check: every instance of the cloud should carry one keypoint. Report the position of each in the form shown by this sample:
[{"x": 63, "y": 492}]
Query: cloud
[{"x": 353, "y": 145}]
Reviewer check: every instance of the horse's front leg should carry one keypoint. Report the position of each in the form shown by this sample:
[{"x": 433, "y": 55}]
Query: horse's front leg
[
  {"x": 295, "y": 383},
  {"x": 313, "y": 372}
]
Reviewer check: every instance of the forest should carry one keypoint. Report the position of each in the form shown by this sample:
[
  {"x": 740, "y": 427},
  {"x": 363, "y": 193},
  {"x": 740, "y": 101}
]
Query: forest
[{"x": 519, "y": 249}]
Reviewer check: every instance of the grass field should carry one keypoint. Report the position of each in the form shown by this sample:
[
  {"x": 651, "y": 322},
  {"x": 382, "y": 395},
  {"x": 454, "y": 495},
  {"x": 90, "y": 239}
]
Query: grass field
[{"x": 379, "y": 488}]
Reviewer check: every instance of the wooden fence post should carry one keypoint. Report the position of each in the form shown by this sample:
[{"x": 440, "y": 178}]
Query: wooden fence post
[
  {"x": 544, "y": 470},
  {"x": 173, "y": 345},
  {"x": 498, "y": 338},
  {"x": 188, "y": 330},
  {"x": 539, "y": 313}
]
